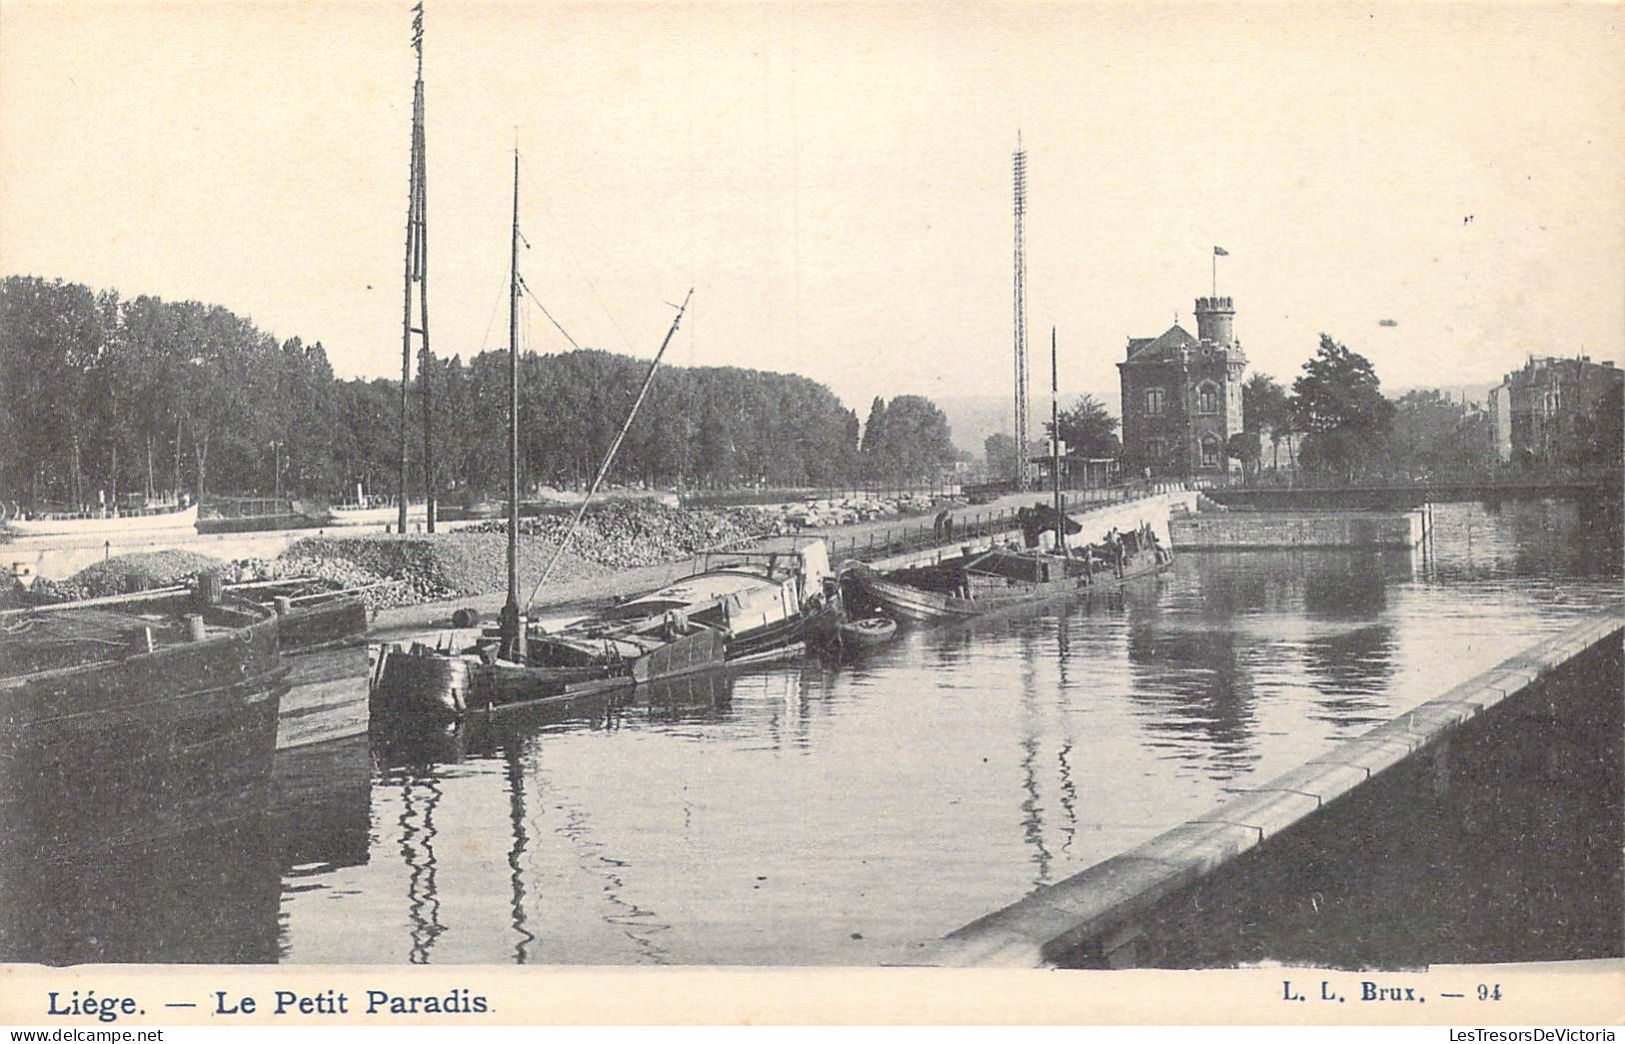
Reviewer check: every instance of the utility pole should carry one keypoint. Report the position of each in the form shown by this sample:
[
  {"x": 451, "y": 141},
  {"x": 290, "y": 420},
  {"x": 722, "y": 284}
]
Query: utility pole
[
  {"x": 1019, "y": 167},
  {"x": 1055, "y": 445}
]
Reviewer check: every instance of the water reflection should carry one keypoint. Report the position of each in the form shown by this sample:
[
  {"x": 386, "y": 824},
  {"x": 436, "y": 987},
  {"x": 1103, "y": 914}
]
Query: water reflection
[
  {"x": 321, "y": 806},
  {"x": 642, "y": 926},
  {"x": 518, "y": 821},
  {"x": 1032, "y": 815},
  {"x": 1068, "y": 799},
  {"x": 1351, "y": 671},
  {"x": 208, "y": 896},
  {"x": 1238, "y": 617},
  {"x": 417, "y": 834},
  {"x": 1196, "y": 690},
  {"x": 824, "y": 811},
  {"x": 1350, "y": 585},
  {"x": 1528, "y": 538}
]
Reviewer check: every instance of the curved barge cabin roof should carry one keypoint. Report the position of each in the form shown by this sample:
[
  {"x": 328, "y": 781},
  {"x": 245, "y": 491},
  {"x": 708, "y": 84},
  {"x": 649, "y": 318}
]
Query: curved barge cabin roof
[{"x": 690, "y": 592}]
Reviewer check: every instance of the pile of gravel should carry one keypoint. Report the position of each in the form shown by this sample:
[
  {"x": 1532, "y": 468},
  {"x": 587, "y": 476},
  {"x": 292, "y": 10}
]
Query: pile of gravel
[
  {"x": 122, "y": 573},
  {"x": 414, "y": 569},
  {"x": 630, "y": 533},
  {"x": 418, "y": 568}
]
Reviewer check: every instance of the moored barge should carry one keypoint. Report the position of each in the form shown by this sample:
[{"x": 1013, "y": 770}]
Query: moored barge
[
  {"x": 739, "y": 607},
  {"x": 134, "y": 718},
  {"x": 978, "y": 582}
]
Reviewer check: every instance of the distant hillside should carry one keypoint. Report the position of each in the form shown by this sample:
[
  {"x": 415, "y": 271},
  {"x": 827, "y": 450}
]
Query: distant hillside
[
  {"x": 1477, "y": 392},
  {"x": 972, "y": 418}
]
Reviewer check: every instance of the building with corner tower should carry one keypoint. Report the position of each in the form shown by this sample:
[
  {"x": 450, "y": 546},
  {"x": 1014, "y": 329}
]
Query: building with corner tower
[{"x": 1182, "y": 396}]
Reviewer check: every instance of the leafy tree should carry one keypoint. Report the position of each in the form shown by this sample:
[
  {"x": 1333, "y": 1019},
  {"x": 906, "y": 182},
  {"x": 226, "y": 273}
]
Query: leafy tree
[
  {"x": 50, "y": 337},
  {"x": 914, "y": 441},
  {"x": 1338, "y": 402},
  {"x": 873, "y": 448},
  {"x": 1432, "y": 435},
  {"x": 1267, "y": 412},
  {"x": 1088, "y": 430},
  {"x": 999, "y": 451},
  {"x": 1245, "y": 447}
]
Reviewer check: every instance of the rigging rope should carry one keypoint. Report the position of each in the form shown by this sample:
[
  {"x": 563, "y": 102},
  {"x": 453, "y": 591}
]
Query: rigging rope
[
  {"x": 609, "y": 458},
  {"x": 492, "y": 318},
  {"x": 538, "y": 301},
  {"x": 525, "y": 166}
]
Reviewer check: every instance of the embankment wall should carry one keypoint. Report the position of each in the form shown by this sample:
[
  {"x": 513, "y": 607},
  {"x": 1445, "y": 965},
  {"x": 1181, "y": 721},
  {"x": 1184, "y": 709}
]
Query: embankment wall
[
  {"x": 1132, "y": 908},
  {"x": 1251, "y": 529}
]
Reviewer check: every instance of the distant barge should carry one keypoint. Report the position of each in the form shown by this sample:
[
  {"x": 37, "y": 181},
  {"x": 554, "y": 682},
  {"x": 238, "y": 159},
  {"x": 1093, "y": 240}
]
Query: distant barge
[{"x": 978, "y": 582}]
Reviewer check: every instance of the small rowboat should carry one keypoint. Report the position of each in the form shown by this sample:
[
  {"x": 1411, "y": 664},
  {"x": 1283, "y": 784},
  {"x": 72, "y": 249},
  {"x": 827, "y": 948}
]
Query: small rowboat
[{"x": 867, "y": 633}]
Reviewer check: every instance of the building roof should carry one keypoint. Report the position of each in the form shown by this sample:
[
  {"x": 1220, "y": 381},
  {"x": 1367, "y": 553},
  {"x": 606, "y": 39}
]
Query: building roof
[{"x": 1157, "y": 349}]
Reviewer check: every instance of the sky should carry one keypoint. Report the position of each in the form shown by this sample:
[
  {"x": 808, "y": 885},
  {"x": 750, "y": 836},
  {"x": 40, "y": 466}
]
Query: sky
[{"x": 834, "y": 179}]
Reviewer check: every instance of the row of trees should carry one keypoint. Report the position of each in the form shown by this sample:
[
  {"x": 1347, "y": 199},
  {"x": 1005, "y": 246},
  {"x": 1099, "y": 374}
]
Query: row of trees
[
  {"x": 1338, "y": 426},
  {"x": 907, "y": 437},
  {"x": 98, "y": 393},
  {"x": 111, "y": 395}
]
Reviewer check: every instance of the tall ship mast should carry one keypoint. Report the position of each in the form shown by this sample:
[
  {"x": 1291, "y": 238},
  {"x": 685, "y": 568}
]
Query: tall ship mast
[
  {"x": 512, "y": 627},
  {"x": 417, "y": 274},
  {"x": 738, "y": 607}
]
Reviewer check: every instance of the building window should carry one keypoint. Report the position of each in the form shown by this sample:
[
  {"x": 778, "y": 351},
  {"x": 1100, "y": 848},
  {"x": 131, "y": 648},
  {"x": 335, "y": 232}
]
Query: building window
[
  {"x": 1153, "y": 400},
  {"x": 1207, "y": 398},
  {"x": 1210, "y": 451},
  {"x": 1156, "y": 449}
]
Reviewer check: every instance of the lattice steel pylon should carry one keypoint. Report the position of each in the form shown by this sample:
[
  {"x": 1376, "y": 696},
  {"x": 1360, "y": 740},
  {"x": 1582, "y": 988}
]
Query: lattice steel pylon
[{"x": 1023, "y": 465}]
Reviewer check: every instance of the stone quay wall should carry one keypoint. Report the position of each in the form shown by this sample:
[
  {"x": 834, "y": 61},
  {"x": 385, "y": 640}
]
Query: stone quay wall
[{"x": 1249, "y": 529}]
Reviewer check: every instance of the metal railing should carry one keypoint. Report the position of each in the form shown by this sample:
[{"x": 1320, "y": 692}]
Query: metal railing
[{"x": 896, "y": 540}]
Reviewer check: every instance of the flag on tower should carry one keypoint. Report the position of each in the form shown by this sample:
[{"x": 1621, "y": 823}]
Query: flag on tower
[{"x": 1220, "y": 251}]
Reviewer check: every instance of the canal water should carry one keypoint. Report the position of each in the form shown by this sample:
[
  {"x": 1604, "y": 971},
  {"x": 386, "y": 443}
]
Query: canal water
[{"x": 827, "y": 813}]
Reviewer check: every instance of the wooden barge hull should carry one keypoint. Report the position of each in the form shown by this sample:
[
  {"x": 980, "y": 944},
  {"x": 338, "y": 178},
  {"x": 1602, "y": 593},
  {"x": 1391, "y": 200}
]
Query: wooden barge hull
[
  {"x": 423, "y": 681},
  {"x": 326, "y": 697},
  {"x": 152, "y": 745},
  {"x": 325, "y": 625},
  {"x": 325, "y": 646}
]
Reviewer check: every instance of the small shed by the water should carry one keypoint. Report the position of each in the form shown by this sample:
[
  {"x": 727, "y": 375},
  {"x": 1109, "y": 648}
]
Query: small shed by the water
[{"x": 1078, "y": 472}]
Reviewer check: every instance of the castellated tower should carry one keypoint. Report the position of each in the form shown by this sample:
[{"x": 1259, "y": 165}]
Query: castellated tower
[
  {"x": 1182, "y": 396},
  {"x": 1214, "y": 319}
]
